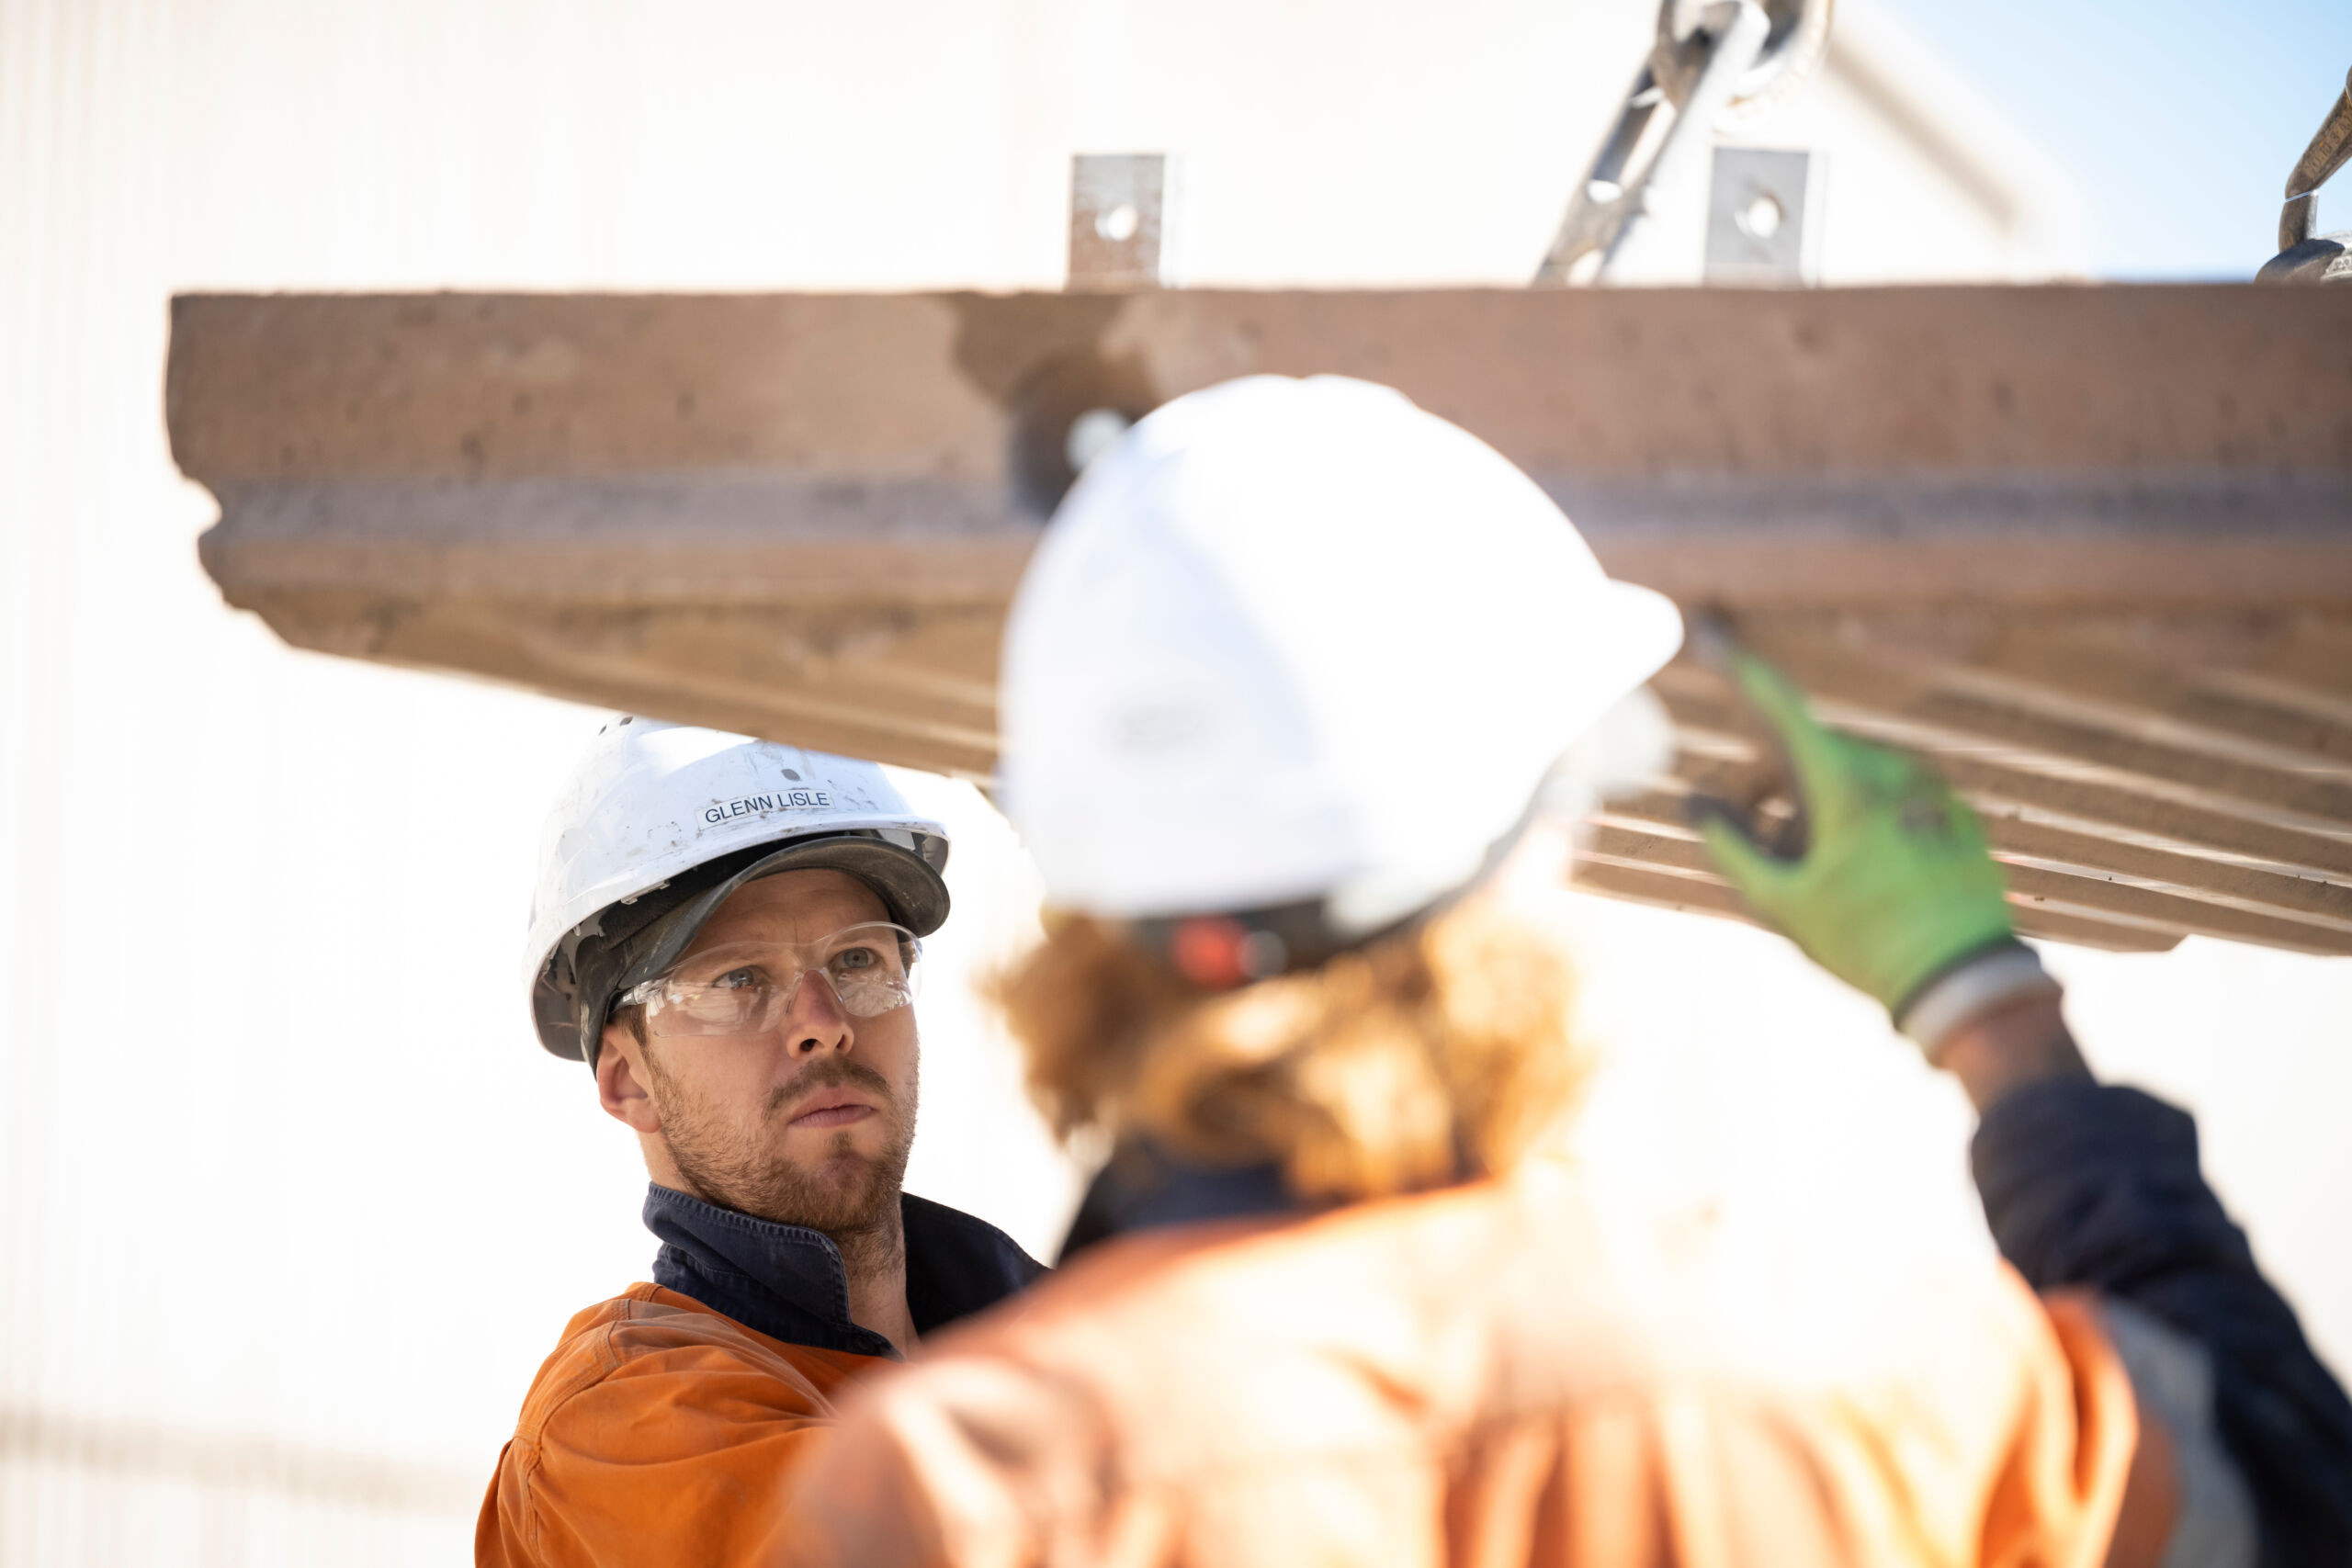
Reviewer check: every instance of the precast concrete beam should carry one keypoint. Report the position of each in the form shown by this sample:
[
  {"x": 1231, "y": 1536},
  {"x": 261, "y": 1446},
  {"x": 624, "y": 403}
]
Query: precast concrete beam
[{"x": 2089, "y": 547}]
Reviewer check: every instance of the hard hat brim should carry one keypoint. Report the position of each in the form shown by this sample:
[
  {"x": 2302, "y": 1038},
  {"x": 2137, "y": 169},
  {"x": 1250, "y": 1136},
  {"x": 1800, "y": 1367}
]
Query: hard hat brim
[{"x": 914, "y": 893}]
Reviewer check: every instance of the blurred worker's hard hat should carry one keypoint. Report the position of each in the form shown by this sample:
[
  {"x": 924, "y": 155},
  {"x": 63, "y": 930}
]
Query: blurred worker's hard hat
[
  {"x": 662, "y": 822},
  {"x": 1291, "y": 640}
]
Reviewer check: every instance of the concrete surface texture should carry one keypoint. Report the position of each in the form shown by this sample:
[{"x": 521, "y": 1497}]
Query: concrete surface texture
[
  {"x": 2083, "y": 545},
  {"x": 290, "y": 1206}
]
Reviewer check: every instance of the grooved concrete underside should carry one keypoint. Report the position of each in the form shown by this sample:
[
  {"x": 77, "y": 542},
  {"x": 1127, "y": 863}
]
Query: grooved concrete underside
[{"x": 2089, "y": 547}]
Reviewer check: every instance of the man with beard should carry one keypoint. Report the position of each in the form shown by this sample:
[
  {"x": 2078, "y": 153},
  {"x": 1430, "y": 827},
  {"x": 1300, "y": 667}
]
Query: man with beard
[{"x": 729, "y": 932}]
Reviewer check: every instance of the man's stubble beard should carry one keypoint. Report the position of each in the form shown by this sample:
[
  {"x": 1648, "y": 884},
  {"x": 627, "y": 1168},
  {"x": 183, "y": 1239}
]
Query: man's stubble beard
[{"x": 852, "y": 1198}]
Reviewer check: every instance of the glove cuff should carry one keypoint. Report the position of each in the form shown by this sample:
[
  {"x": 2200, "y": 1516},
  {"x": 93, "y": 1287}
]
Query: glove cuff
[{"x": 1993, "y": 977}]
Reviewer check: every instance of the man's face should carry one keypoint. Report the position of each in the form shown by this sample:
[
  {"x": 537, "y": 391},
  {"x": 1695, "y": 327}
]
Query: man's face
[{"x": 810, "y": 1122}]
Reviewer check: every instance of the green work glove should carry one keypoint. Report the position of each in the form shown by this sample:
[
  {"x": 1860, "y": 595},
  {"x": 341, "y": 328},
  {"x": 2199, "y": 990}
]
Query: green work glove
[{"x": 1896, "y": 886}]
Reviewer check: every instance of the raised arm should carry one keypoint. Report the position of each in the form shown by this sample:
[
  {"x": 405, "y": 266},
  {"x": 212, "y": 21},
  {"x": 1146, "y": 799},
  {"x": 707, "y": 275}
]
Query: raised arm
[{"x": 2084, "y": 1185}]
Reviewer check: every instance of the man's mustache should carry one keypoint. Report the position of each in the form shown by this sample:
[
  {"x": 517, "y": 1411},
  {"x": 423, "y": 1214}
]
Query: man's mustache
[{"x": 833, "y": 1072}]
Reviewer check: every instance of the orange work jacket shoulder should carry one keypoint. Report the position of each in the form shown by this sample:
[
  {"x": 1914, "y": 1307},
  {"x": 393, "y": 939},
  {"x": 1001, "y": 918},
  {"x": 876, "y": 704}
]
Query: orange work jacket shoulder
[
  {"x": 1511, "y": 1373},
  {"x": 666, "y": 1425},
  {"x": 659, "y": 1433}
]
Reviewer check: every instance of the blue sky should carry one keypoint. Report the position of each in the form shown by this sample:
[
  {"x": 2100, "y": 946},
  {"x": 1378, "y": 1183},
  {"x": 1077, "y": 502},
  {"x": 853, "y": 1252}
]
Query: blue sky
[{"x": 2178, "y": 119}]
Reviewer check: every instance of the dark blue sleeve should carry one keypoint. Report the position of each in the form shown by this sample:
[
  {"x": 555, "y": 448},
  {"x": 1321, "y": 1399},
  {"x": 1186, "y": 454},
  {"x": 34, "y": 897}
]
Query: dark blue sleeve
[{"x": 2092, "y": 1185}]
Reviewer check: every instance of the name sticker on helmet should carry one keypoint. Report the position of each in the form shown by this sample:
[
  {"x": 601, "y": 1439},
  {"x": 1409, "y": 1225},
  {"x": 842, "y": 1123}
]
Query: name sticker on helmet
[{"x": 782, "y": 800}]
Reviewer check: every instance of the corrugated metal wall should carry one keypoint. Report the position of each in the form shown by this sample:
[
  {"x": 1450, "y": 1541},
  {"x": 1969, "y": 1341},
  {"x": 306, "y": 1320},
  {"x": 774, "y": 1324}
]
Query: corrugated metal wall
[{"x": 289, "y": 1205}]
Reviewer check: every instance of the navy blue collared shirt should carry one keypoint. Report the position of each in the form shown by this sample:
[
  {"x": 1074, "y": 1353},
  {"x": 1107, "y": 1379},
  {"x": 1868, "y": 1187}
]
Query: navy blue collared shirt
[
  {"x": 787, "y": 1282},
  {"x": 1143, "y": 1187},
  {"x": 2095, "y": 1184}
]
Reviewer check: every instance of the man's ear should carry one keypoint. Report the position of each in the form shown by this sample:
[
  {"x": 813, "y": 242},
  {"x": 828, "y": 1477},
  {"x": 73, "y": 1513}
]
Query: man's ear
[{"x": 620, "y": 1080}]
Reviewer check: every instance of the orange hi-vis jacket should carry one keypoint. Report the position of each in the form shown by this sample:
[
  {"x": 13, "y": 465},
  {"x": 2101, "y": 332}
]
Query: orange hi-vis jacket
[
  {"x": 1504, "y": 1374},
  {"x": 1537, "y": 1369},
  {"x": 662, "y": 1430},
  {"x": 652, "y": 1435}
]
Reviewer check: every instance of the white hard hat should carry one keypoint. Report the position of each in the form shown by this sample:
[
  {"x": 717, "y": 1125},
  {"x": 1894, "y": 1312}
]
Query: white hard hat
[
  {"x": 661, "y": 822},
  {"x": 1294, "y": 640}
]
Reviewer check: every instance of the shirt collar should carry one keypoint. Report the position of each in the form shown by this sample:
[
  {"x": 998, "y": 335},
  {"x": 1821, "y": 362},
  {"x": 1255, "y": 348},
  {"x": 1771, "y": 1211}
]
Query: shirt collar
[
  {"x": 787, "y": 1282},
  {"x": 1145, "y": 1186}
]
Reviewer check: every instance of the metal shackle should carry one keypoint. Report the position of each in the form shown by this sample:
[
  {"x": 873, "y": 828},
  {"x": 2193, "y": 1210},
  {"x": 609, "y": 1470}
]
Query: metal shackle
[{"x": 1797, "y": 39}]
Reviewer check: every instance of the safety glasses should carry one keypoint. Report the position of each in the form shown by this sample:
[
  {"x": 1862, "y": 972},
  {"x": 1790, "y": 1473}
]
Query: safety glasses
[{"x": 747, "y": 990}]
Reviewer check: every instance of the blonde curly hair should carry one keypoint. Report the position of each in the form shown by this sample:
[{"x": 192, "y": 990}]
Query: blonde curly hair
[{"x": 1389, "y": 1069}]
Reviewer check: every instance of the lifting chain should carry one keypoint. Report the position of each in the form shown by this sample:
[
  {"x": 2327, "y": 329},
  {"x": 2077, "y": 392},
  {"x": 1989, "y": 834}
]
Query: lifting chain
[
  {"x": 2305, "y": 256},
  {"x": 1713, "y": 61}
]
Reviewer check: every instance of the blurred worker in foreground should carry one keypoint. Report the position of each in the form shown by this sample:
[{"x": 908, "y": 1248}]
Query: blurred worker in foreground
[
  {"x": 729, "y": 934},
  {"x": 1287, "y": 693}
]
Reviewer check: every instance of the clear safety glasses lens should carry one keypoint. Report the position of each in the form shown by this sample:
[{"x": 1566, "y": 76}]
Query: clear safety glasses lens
[{"x": 749, "y": 989}]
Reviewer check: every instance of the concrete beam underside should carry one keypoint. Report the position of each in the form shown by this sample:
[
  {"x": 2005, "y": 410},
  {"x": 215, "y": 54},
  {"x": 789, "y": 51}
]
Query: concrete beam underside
[{"x": 2090, "y": 548}]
